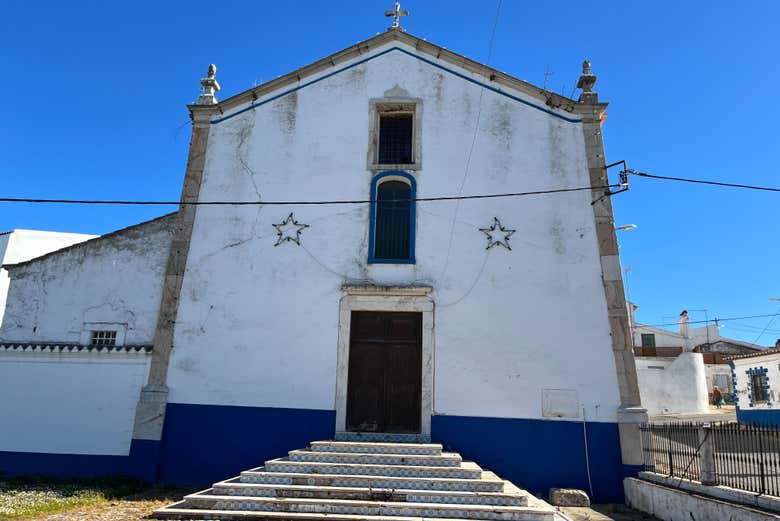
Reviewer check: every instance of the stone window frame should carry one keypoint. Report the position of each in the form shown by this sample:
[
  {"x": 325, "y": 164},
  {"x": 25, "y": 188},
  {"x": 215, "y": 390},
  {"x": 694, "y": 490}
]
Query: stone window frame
[
  {"x": 386, "y": 298},
  {"x": 404, "y": 105}
]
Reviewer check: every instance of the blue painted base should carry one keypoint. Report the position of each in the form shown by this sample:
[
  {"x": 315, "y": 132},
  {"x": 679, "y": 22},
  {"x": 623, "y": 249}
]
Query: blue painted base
[
  {"x": 540, "y": 454},
  {"x": 140, "y": 463},
  {"x": 207, "y": 443},
  {"x": 759, "y": 416}
]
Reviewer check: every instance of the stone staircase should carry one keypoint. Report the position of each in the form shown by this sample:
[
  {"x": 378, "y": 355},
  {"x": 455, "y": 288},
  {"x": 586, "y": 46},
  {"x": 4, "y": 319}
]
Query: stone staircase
[{"x": 349, "y": 481}]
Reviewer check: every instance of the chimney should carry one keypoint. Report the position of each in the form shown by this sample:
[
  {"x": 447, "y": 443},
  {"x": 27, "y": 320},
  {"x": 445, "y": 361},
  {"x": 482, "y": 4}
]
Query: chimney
[{"x": 683, "y": 323}]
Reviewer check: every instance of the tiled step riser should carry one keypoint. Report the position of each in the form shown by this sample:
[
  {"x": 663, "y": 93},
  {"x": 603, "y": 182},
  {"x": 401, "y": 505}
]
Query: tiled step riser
[
  {"x": 237, "y": 515},
  {"x": 373, "y": 482},
  {"x": 409, "y": 510},
  {"x": 374, "y": 495},
  {"x": 378, "y": 448},
  {"x": 381, "y": 437},
  {"x": 375, "y": 459},
  {"x": 374, "y": 470}
]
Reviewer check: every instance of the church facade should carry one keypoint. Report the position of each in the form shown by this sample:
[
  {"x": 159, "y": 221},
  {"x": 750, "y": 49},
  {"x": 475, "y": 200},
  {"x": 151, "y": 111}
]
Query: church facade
[{"x": 370, "y": 296}]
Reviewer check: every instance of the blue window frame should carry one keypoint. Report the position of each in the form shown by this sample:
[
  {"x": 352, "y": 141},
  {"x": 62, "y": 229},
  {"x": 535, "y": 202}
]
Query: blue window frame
[{"x": 392, "y": 219}]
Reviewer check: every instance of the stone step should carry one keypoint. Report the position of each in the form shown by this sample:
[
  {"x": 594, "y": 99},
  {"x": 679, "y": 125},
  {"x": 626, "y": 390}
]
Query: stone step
[
  {"x": 382, "y": 437},
  {"x": 447, "y": 459},
  {"x": 178, "y": 511},
  {"x": 467, "y": 469},
  {"x": 207, "y": 501},
  {"x": 419, "y": 449},
  {"x": 488, "y": 481},
  {"x": 234, "y": 487}
]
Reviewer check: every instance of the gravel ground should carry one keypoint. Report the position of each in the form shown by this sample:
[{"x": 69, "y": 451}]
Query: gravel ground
[{"x": 35, "y": 502}]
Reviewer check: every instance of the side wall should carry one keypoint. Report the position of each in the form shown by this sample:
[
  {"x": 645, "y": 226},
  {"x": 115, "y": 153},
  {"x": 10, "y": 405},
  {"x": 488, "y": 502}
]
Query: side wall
[
  {"x": 673, "y": 385},
  {"x": 67, "y": 410},
  {"x": 113, "y": 282}
]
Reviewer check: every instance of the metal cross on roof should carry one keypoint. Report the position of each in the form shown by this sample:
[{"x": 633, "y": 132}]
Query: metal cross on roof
[{"x": 397, "y": 13}]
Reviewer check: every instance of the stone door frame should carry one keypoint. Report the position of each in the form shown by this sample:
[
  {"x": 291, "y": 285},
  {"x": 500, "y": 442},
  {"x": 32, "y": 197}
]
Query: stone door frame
[{"x": 386, "y": 298}]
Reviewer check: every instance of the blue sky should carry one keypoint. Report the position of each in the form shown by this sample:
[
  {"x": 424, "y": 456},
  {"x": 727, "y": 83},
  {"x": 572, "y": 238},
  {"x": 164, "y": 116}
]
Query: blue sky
[{"x": 95, "y": 93}]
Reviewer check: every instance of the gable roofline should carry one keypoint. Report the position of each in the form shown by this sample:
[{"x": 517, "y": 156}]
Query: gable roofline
[
  {"x": 87, "y": 242},
  {"x": 550, "y": 102}
]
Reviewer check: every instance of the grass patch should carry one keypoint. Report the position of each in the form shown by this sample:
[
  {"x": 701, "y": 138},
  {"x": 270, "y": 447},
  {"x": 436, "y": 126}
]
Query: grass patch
[{"x": 24, "y": 497}]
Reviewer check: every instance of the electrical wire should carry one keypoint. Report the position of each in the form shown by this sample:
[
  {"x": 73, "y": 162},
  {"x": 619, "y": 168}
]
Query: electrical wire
[
  {"x": 714, "y": 320},
  {"x": 296, "y": 203},
  {"x": 704, "y": 182},
  {"x": 767, "y": 327}
]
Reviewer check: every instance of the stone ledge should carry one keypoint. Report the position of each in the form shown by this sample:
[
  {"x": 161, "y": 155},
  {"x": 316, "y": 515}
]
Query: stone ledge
[
  {"x": 721, "y": 492},
  {"x": 395, "y": 291}
]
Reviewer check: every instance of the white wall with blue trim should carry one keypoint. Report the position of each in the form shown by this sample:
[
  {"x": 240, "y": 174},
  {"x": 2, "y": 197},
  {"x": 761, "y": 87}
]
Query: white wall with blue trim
[
  {"x": 524, "y": 374},
  {"x": 754, "y": 405},
  {"x": 258, "y": 325}
]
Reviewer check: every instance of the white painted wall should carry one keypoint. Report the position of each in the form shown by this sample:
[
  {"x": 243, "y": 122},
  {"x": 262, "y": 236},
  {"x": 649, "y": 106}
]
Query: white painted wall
[
  {"x": 70, "y": 403},
  {"x": 711, "y": 370},
  {"x": 663, "y": 338},
  {"x": 769, "y": 361},
  {"x": 258, "y": 324},
  {"x": 673, "y": 385},
  {"x": 23, "y": 245},
  {"x": 114, "y": 282}
]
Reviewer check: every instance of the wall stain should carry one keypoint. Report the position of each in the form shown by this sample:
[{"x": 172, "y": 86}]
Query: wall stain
[
  {"x": 286, "y": 111},
  {"x": 556, "y": 232},
  {"x": 500, "y": 124}
]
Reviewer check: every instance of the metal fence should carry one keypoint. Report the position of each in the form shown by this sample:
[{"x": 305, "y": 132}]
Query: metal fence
[
  {"x": 746, "y": 457},
  {"x": 672, "y": 449}
]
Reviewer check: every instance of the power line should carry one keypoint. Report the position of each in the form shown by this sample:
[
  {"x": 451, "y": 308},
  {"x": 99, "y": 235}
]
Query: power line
[
  {"x": 290, "y": 203},
  {"x": 704, "y": 182},
  {"x": 716, "y": 319},
  {"x": 765, "y": 328}
]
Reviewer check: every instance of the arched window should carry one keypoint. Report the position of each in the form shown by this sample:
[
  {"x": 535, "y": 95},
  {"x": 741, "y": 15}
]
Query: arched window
[{"x": 391, "y": 236}]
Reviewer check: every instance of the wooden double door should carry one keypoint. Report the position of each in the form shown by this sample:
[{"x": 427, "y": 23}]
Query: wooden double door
[{"x": 384, "y": 389}]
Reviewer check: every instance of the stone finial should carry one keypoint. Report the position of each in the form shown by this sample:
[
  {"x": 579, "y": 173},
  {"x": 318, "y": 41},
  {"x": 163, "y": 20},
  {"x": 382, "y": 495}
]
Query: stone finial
[
  {"x": 210, "y": 87},
  {"x": 586, "y": 83}
]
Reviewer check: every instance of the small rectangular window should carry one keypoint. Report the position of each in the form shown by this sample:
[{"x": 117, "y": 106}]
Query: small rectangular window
[
  {"x": 103, "y": 338},
  {"x": 395, "y": 138},
  {"x": 758, "y": 391},
  {"x": 648, "y": 340}
]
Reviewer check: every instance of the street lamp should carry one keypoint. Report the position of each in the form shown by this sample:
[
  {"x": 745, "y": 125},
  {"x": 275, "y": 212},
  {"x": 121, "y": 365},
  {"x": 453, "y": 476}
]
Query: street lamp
[{"x": 627, "y": 227}]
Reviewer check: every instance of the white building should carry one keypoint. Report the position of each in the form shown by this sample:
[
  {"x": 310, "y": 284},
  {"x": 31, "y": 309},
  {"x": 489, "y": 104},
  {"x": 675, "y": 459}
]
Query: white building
[
  {"x": 677, "y": 371},
  {"x": 22, "y": 245},
  {"x": 755, "y": 379},
  {"x": 496, "y": 326}
]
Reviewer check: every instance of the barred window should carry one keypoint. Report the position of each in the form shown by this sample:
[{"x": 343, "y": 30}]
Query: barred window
[
  {"x": 395, "y": 138},
  {"x": 103, "y": 338},
  {"x": 759, "y": 392}
]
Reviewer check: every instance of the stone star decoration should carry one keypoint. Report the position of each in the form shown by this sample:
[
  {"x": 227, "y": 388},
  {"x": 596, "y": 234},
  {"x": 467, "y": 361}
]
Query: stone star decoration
[
  {"x": 497, "y": 235},
  {"x": 289, "y": 230}
]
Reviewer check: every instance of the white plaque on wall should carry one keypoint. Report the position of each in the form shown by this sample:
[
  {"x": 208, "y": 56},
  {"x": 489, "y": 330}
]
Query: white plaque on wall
[{"x": 560, "y": 403}]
